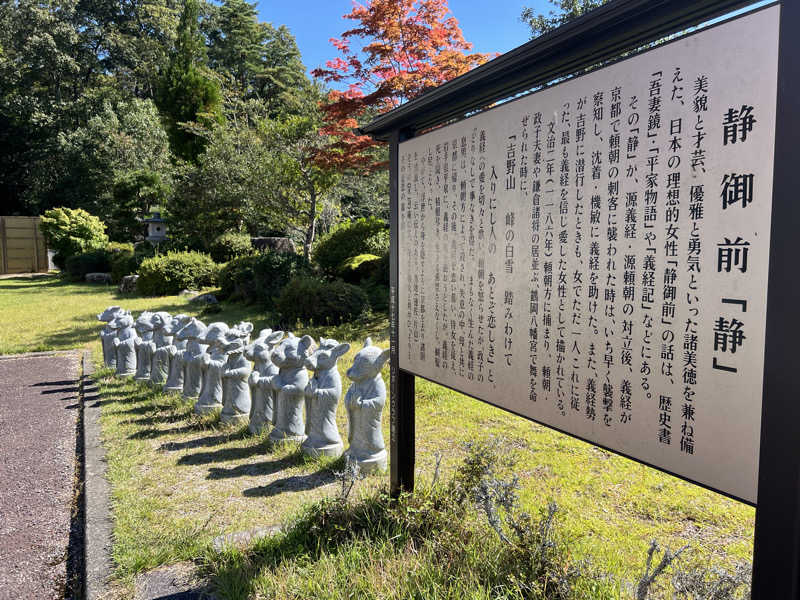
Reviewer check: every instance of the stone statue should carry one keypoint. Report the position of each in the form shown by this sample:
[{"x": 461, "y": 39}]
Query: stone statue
[
  {"x": 290, "y": 384},
  {"x": 261, "y": 393},
  {"x": 235, "y": 387},
  {"x": 124, "y": 344},
  {"x": 193, "y": 333},
  {"x": 159, "y": 371},
  {"x": 364, "y": 403},
  {"x": 144, "y": 353},
  {"x": 213, "y": 361},
  {"x": 174, "y": 381},
  {"x": 322, "y": 398},
  {"x": 107, "y": 335}
]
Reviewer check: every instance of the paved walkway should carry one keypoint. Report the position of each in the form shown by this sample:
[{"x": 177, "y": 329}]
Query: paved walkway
[{"x": 38, "y": 417}]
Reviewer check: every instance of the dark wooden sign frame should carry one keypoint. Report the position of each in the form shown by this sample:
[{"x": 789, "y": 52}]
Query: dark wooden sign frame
[{"x": 601, "y": 35}]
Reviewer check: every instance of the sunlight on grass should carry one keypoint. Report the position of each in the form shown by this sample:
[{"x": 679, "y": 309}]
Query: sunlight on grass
[{"x": 180, "y": 480}]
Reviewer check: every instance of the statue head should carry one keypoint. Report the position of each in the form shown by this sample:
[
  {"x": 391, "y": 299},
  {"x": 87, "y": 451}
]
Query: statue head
[
  {"x": 291, "y": 353},
  {"x": 368, "y": 362}
]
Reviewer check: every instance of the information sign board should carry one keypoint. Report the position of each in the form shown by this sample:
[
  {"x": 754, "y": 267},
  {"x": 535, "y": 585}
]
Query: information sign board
[{"x": 595, "y": 256}]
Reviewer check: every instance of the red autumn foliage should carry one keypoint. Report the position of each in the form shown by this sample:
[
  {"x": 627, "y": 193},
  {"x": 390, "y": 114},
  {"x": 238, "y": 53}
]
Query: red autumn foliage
[{"x": 408, "y": 47}]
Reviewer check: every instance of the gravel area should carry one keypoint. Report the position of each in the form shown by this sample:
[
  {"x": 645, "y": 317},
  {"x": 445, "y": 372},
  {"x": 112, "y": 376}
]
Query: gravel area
[{"x": 38, "y": 416}]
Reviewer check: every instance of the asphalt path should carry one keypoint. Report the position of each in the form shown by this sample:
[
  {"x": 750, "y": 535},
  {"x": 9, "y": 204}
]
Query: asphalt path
[{"x": 38, "y": 417}]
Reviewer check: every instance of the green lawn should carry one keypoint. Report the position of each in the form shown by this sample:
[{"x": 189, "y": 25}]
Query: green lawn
[{"x": 179, "y": 480}]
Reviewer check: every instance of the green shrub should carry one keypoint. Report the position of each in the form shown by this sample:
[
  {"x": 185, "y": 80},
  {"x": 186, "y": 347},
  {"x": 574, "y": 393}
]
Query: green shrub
[
  {"x": 172, "y": 272},
  {"x": 230, "y": 245},
  {"x": 378, "y": 295},
  {"x": 123, "y": 260},
  {"x": 95, "y": 261},
  {"x": 359, "y": 268},
  {"x": 72, "y": 231},
  {"x": 260, "y": 277},
  {"x": 348, "y": 240},
  {"x": 325, "y": 303},
  {"x": 377, "y": 284}
]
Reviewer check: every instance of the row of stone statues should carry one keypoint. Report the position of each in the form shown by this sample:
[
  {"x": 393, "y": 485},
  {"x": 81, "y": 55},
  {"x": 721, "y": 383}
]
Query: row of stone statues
[{"x": 212, "y": 364}]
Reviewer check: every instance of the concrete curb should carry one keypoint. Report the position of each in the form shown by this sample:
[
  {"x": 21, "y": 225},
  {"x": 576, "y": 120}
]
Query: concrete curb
[{"x": 98, "y": 525}]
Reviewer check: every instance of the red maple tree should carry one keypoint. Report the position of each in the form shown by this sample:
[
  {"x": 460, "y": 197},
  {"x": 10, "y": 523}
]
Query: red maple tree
[{"x": 407, "y": 47}]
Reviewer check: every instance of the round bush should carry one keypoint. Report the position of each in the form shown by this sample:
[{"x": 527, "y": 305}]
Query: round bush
[
  {"x": 170, "y": 273},
  {"x": 260, "y": 277},
  {"x": 347, "y": 240},
  {"x": 359, "y": 268},
  {"x": 72, "y": 231},
  {"x": 325, "y": 303},
  {"x": 230, "y": 245},
  {"x": 95, "y": 261}
]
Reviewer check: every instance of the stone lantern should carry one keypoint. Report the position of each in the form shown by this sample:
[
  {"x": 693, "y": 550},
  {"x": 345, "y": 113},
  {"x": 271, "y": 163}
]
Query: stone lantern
[{"x": 156, "y": 229}]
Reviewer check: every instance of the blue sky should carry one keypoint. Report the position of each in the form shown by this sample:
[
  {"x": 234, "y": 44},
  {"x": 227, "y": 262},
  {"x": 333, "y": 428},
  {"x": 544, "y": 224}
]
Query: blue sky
[{"x": 491, "y": 26}]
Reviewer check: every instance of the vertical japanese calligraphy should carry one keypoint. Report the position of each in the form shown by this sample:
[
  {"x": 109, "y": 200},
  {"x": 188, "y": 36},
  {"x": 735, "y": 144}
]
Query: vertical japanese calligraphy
[{"x": 594, "y": 256}]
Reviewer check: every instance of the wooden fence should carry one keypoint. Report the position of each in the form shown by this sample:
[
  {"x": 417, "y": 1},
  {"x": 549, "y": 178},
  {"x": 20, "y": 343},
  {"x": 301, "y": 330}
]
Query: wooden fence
[{"x": 22, "y": 246}]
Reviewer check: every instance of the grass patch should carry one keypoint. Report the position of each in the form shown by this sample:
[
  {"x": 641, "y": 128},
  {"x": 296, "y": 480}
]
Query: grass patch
[{"x": 179, "y": 480}]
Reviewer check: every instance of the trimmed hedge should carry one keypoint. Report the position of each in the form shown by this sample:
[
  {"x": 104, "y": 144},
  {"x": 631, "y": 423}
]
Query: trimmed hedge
[
  {"x": 230, "y": 245},
  {"x": 325, "y": 303},
  {"x": 260, "y": 277},
  {"x": 348, "y": 240},
  {"x": 170, "y": 273}
]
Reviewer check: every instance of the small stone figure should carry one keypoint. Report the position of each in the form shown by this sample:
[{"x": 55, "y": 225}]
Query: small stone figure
[
  {"x": 262, "y": 395},
  {"x": 144, "y": 353},
  {"x": 124, "y": 344},
  {"x": 364, "y": 403},
  {"x": 192, "y": 358},
  {"x": 322, "y": 398},
  {"x": 159, "y": 371},
  {"x": 213, "y": 361},
  {"x": 290, "y": 384},
  {"x": 235, "y": 387},
  {"x": 174, "y": 381},
  {"x": 107, "y": 335}
]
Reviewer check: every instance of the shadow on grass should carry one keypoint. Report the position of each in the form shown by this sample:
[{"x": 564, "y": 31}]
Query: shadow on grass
[
  {"x": 210, "y": 440},
  {"x": 263, "y": 468},
  {"x": 222, "y": 455},
  {"x": 163, "y": 415},
  {"x": 295, "y": 483}
]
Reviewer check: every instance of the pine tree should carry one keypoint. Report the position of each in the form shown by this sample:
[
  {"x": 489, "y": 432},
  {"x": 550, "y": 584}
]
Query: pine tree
[{"x": 188, "y": 95}]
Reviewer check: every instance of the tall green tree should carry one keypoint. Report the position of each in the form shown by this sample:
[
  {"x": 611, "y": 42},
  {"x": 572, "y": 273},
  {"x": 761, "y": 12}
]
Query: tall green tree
[
  {"x": 100, "y": 165},
  {"x": 138, "y": 45},
  {"x": 189, "y": 96},
  {"x": 259, "y": 60},
  {"x": 235, "y": 44},
  {"x": 300, "y": 185},
  {"x": 224, "y": 188},
  {"x": 562, "y": 11}
]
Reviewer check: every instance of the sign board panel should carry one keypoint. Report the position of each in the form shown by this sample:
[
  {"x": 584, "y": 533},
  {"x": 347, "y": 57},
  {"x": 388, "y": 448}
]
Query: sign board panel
[{"x": 594, "y": 256}]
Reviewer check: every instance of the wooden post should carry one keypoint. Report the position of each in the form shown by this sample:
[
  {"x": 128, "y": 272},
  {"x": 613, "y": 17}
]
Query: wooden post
[
  {"x": 401, "y": 387},
  {"x": 35, "y": 223},
  {"x": 776, "y": 554},
  {"x": 3, "y": 247}
]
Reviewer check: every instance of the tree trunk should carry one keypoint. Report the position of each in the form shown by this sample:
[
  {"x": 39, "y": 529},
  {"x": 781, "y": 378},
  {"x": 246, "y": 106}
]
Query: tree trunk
[{"x": 312, "y": 225}]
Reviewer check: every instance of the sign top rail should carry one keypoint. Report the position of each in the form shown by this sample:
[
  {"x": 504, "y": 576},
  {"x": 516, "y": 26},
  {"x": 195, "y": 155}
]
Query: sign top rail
[{"x": 599, "y": 35}]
